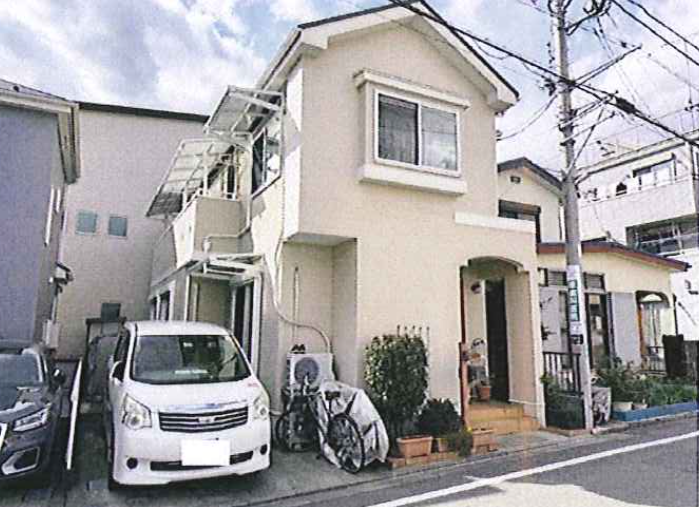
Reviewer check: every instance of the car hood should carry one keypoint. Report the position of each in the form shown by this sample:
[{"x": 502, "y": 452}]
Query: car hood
[
  {"x": 16, "y": 402},
  {"x": 195, "y": 397}
]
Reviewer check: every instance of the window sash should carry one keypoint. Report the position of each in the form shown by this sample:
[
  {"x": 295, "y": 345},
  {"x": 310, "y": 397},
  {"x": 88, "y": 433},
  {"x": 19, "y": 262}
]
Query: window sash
[
  {"x": 428, "y": 139},
  {"x": 86, "y": 222},
  {"x": 118, "y": 226}
]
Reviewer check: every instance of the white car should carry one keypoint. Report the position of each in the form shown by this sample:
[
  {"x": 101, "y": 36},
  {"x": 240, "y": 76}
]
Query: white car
[{"x": 183, "y": 403}]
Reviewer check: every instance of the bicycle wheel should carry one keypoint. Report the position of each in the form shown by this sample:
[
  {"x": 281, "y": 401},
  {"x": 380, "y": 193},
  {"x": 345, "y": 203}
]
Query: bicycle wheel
[
  {"x": 346, "y": 442},
  {"x": 282, "y": 430}
]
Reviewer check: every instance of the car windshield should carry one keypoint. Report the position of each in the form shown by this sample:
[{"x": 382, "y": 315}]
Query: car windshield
[
  {"x": 188, "y": 359},
  {"x": 17, "y": 370}
]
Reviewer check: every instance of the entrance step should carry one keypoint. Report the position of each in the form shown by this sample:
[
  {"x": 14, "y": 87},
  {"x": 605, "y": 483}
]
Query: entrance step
[{"x": 503, "y": 418}]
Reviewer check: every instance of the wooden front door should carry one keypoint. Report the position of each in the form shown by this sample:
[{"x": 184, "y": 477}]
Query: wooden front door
[{"x": 496, "y": 322}]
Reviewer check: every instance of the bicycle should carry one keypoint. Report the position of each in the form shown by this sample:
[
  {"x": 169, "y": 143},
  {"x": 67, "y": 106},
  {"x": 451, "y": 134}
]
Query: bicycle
[{"x": 342, "y": 434}]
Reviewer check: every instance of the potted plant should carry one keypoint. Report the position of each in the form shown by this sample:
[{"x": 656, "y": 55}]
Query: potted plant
[
  {"x": 484, "y": 390},
  {"x": 396, "y": 376},
  {"x": 641, "y": 394},
  {"x": 439, "y": 419},
  {"x": 461, "y": 442},
  {"x": 620, "y": 380}
]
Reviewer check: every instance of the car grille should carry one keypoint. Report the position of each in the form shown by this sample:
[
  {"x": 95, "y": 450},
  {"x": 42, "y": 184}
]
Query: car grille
[
  {"x": 177, "y": 466},
  {"x": 201, "y": 422}
]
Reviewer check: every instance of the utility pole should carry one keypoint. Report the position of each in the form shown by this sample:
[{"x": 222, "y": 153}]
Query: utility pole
[{"x": 577, "y": 328}]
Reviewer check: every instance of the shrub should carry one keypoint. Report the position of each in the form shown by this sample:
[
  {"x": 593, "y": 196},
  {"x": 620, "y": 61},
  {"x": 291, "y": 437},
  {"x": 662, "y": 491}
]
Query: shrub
[
  {"x": 438, "y": 418},
  {"x": 461, "y": 442},
  {"x": 396, "y": 376},
  {"x": 620, "y": 379}
]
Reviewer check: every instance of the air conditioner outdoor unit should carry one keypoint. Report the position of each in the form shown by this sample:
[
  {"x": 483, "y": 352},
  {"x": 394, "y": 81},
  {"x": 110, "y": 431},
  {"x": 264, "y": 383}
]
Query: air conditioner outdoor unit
[
  {"x": 51, "y": 332},
  {"x": 317, "y": 367}
]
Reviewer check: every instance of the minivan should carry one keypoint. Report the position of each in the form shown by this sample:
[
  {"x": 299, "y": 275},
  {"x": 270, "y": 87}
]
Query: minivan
[{"x": 182, "y": 403}]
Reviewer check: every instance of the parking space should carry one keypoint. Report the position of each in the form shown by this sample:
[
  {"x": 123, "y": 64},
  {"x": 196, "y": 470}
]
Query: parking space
[{"x": 290, "y": 475}]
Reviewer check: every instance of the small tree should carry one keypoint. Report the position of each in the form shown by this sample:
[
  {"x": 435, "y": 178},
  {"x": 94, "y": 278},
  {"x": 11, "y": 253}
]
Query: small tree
[{"x": 396, "y": 375}]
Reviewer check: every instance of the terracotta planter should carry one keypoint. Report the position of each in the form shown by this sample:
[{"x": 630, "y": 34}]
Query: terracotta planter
[
  {"x": 441, "y": 444},
  {"x": 484, "y": 393},
  {"x": 414, "y": 446}
]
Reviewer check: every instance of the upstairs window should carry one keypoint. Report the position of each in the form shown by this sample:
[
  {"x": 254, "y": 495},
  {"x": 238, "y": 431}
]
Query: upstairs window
[
  {"x": 668, "y": 238},
  {"x": 86, "y": 222},
  {"x": 118, "y": 226},
  {"x": 656, "y": 174},
  {"x": 412, "y": 133},
  {"x": 267, "y": 155}
]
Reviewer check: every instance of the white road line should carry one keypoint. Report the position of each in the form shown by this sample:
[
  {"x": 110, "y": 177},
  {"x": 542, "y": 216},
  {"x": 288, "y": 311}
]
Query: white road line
[{"x": 492, "y": 481}]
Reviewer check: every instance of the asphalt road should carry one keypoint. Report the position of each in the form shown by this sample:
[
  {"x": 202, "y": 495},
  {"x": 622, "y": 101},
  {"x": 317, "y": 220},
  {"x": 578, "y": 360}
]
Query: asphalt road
[
  {"x": 641, "y": 467},
  {"x": 655, "y": 465}
]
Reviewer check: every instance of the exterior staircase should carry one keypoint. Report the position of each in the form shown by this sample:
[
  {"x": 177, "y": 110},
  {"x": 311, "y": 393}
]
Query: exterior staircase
[{"x": 503, "y": 418}]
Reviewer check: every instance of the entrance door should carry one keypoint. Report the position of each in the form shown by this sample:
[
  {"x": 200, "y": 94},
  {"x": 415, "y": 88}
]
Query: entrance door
[
  {"x": 597, "y": 329},
  {"x": 243, "y": 317},
  {"x": 497, "y": 339}
]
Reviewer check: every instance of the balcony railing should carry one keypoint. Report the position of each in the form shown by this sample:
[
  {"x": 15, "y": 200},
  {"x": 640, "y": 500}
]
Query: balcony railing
[
  {"x": 206, "y": 225},
  {"x": 563, "y": 368}
]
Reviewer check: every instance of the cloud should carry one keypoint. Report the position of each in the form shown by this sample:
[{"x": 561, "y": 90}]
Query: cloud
[
  {"x": 297, "y": 11},
  {"x": 154, "y": 53}
]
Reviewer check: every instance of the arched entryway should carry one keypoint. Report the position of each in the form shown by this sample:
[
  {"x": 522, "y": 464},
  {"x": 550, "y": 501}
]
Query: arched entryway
[{"x": 499, "y": 301}]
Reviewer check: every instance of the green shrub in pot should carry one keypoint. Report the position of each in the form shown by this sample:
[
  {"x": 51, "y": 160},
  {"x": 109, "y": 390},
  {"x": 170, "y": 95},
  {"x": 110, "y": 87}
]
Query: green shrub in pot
[{"x": 439, "y": 418}]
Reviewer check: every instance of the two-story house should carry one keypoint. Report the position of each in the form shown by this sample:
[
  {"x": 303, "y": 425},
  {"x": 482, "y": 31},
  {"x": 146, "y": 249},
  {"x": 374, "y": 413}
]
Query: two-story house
[
  {"x": 648, "y": 199},
  {"x": 107, "y": 240},
  {"x": 38, "y": 161},
  {"x": 353, "y": 190}
]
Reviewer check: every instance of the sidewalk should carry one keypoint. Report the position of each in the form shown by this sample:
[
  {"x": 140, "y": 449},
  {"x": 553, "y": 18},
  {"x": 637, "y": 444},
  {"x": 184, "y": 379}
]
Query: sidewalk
[{"x": 291, "y": 475}]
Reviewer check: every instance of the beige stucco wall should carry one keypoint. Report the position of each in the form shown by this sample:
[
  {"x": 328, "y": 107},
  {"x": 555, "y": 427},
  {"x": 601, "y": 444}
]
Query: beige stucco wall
[
  {"x": 532, "y": 191},
  {"x": 622, "y": 274},
  {"x": 124, "y": 158}
]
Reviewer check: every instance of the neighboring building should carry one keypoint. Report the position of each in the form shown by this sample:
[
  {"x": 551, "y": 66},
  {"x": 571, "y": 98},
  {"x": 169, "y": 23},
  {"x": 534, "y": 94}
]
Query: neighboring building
[
  {"x": 623, "y": 286},
  {"x": 38, "y": 161},
  {"x": 529, "y": 192},
  {"x": 107, "y": 240},
  {"x": 351, "y": 193},
  {"x": 648, "y": 199}
]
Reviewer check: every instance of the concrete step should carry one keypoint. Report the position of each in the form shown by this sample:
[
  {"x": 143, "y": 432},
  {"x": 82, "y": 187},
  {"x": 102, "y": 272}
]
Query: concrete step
[
  {"x": 508, "y": 426},
  {"x": 481, "y": 412}
]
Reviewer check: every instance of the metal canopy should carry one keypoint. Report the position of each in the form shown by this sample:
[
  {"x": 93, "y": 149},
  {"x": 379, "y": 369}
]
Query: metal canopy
[
  {"x": 192, "y": 162},
  {"x": 240, "y": 108}
]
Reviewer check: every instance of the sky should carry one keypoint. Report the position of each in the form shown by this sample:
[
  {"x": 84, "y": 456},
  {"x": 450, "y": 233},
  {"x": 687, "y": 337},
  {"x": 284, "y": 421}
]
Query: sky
[{"x": 181, "y": 54}]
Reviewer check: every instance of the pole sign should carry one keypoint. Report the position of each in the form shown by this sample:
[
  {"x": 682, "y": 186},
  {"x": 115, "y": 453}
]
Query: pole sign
[{"x": 574, "y": 302}]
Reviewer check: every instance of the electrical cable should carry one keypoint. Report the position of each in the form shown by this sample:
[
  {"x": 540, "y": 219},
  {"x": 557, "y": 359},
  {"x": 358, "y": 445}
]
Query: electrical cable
[
  {"x": 663, "y": 24},
  {"x": 534, "y": 118},
  {"x": 617, "y": 102},
  {"x": 654, "y": 32}
]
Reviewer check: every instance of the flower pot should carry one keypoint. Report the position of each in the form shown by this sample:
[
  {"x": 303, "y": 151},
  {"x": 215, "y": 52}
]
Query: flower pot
[
  {"x": 622, "y": 406},
  {"x": 484, "y": 393},
  {"x": 640, "y": 406},
  {"x": 414, "y": 446},
  {"x": 441, "y": 444}
]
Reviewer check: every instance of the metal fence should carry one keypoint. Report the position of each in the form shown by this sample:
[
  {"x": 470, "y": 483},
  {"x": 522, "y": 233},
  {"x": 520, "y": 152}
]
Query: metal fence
[{"x": 564, "y": 369}]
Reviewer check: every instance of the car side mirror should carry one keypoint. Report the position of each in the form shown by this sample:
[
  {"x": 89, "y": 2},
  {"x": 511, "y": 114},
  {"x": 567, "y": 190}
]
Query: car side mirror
[
  {"x": 118, "y": 371},
  {"x": 59, "y": 377}
]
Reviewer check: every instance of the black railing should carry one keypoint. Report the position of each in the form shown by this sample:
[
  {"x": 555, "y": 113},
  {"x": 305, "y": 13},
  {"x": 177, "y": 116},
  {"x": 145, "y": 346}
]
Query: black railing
[
  {"x": 654, "y": 359},
  {"x": 563, "y": 368}
]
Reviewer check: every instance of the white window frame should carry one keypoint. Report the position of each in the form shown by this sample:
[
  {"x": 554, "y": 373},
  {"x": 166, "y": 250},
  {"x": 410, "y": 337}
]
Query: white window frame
[
  {"x": 114, "y": 235},
  {"x": 262, "y": 132},
  {"x": 420, "y": 102},
  {"x": 256, "y": 323},
  {"x": 97, "y": 223},
  {"x": 170, "y": 287},
  {"x": 49, "y": 217}
]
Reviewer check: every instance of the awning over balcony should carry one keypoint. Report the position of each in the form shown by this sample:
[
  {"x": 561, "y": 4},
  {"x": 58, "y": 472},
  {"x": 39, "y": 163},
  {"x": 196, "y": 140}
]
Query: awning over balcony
[
  {"x": 241, "y": 108},
  {"x": 192, "y": 162}
]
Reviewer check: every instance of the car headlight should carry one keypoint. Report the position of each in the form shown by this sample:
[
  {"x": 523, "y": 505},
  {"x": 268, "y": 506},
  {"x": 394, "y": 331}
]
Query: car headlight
[
  {"x": 260, "y": 407},
  {"x": 32, "y": 421},
  {"x": 135, "y": 415}
]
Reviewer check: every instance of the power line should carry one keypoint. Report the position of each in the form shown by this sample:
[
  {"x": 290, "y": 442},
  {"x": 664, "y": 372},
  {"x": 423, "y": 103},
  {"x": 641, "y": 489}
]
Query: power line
[
  {"x": 535, "y": 117},
  {"x": 654, "y": 32},
  {"x": 663, "y": 24},
  {"x": 616, "y": 101}
]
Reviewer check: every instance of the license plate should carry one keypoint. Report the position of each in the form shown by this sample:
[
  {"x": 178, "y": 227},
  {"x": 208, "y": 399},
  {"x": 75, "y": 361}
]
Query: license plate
[{"x": 205, "y": 452}]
